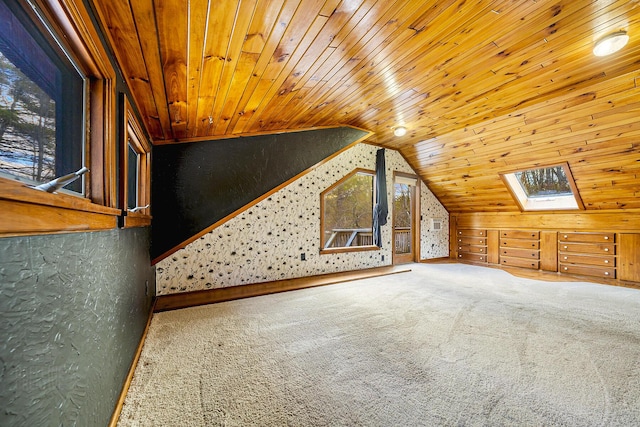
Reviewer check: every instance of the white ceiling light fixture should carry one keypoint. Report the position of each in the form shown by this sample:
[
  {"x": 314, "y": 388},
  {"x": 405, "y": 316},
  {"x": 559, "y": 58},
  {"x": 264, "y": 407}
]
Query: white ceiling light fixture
[
  {"x": 400, "y": 131},
  {"x": 611, "y": 43}
]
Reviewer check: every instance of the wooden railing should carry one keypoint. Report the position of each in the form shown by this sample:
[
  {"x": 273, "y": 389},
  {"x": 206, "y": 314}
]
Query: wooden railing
[
  {"x": 402, "y": 237},
  {"x": 347, "y": 237}
]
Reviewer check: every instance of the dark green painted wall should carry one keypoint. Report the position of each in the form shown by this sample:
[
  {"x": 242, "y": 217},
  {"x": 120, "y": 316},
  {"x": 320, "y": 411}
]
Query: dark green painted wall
[
  {"x": 197, "y": 184},
  {"x": 73, "y": 308}
]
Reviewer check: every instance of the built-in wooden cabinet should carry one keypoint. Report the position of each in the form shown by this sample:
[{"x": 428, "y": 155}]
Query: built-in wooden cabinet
[
  {"x": 587, "y": 254},
  {"x": 598, "y": 246},
  {"x": 472, "y": 245},
  {"x": 520, "y": 248},
  {"x": 629, "y": 257}
]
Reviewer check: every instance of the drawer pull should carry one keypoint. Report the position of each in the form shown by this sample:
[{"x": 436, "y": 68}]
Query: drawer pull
[
  {"x": 480, "y": 250},
  {"x": 565, "y": 236},
  {"x": 459, "y": 256},
  {"x": 566, "y": 257},
  {"x": 566, "y": 268},
  {"x": 606, "y": 237},
  {"x": 459, "y": 232},
  {"x": 606, "y": 249},
  {"x": 459, "y": 248},
  {"x": 606, "y": 261},
  {"x": 565, "y": 247},
  {"x": 606, "y": 273}
]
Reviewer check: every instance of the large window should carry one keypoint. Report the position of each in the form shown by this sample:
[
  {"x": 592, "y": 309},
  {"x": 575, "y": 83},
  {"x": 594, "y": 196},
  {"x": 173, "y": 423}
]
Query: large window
[
  {"x": 135, "y": 171},
  {"x": 41, "y": 102},
  {"x": 57, "y": 115},
  {"x": 347, "y": 213},
  {"x": 546, "y": 188}
]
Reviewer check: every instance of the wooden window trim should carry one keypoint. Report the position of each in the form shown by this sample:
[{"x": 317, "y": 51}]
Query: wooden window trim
[
  {"x": 30, "y": 211},
  {"x": 572, "y": 184},
  {"x": 133, "y": 134},
  {"x": 325, "y": 251}
]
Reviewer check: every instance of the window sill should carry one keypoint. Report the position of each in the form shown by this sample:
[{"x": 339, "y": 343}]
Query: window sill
[
  {"x": 27, "y": 211},
  {"x": 135, "y": 219},
  {"x": 348, "y": 249}
]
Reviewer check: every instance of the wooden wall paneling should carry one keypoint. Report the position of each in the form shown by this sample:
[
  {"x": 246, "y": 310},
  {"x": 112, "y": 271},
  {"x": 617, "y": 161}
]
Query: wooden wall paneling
[
  {"x": 258, "y": 46},
  {"x": 629, "y": 256},
  {"x": 290, "y": 50},
  {"x": 141, "y": 75},
  {"x": 493, "y": 246},
  {"x": 548, "y": 250},
  {"x": 173, "y": 33},
  {"x": 621, "y": 220},
  {"x": 199, "y": 30},
  {"x": 145, "y": 17},
  {"x": 341, "y": 21},
  {"x": 237, "y": 68},
  {"x": 259, "y": 83}
]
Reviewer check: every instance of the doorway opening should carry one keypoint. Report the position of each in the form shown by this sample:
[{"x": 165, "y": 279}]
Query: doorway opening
[{"x": 405, "y": 220}]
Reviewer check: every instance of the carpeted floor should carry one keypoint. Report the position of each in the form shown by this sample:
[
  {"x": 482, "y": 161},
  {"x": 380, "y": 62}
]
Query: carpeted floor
[{"x": 446, "y": 344}]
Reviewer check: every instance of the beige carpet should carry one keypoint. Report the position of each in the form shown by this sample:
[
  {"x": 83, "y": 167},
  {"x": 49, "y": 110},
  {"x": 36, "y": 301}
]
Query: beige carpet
[{"x": 446, "y": 344}]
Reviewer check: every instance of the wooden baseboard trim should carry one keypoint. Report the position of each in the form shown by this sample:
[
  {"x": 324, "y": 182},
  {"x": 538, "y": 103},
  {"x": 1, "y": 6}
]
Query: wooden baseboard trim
[
  {"x": 440, "y": 260},
  {"x": 127, "y": 383},
  {"x": 210, "y": 296}
]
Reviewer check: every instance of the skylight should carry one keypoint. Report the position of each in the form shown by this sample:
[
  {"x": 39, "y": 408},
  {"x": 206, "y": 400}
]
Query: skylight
[{"x": 546, "y": 188}]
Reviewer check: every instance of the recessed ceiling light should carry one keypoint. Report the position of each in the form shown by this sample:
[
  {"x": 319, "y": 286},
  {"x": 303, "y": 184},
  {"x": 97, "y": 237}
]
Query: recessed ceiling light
[
  {"x": 400, "y": 131},
  {"x": 611, "y": 43}
]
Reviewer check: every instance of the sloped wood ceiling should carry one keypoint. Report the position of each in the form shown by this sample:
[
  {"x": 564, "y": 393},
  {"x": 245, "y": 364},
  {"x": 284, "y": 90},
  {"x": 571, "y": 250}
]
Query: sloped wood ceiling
[{"x": 482, "y": 86}]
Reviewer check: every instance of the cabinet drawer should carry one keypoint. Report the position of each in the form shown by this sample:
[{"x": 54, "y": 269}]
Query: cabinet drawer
[
  {"x": 587, "y": 237},
  {"x": 520, "y": 234},
  {"x": 472, "y": 249},
  {"x": 584, "y": 270},
  {"x": 520, "y": 253},
  {"x": 516, "y": 243},
  {"x": 603, "y": 260},
  {"x": 472, "y": 232},
  {"x": 588, "y": 248},
  {"x": 519, "y": 262},
  {"x": 472, "y": 257},
  {"x": 472, "y": 241}
]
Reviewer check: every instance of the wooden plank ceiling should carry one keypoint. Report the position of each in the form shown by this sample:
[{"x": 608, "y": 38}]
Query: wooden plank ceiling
[{"x": 482, "y": 86}]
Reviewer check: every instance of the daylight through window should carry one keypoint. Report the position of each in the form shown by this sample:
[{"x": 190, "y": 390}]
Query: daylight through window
[
  {"x": 547, "y": 188},
  {"x": 347, "y": 212},
  {"x": 41, "y": 103}
]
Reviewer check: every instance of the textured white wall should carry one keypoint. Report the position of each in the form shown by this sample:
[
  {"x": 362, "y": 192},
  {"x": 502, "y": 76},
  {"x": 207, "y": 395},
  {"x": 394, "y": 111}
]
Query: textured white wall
[{"x": 264, "y": 243}]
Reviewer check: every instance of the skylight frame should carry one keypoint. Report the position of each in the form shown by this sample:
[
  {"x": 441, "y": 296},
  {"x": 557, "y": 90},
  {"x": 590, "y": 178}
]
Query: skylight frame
[{"x": 566, "y": 202}]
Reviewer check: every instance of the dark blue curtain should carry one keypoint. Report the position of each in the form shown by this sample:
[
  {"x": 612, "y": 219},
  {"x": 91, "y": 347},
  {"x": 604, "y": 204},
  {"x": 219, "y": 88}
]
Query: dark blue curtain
[{"x": 381, "y": 208}]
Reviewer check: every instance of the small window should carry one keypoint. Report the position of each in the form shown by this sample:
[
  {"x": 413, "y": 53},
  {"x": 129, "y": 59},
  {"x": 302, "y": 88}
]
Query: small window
[
  {"x": 136, "y": 171},
  {"x": 347, "y": 213},
  {"x": 546, "y": 188},
  {"x": 42, "y": 102}
]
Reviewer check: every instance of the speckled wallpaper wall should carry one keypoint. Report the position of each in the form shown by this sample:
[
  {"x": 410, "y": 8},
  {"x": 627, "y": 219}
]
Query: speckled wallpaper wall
[{"x": 264, "y": 243}]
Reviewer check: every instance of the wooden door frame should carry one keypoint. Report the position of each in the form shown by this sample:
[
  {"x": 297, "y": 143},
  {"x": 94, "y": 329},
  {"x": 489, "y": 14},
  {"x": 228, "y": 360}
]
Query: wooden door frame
[{"x": 415, "y": 219}]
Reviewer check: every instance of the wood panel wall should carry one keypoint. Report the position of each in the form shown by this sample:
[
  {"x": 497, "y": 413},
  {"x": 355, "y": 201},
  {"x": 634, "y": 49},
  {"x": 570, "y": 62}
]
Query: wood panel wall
[
  {"x": 625, "y": 224},
  {"x": 596, "y": 131}
]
